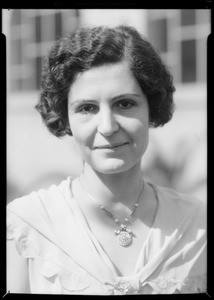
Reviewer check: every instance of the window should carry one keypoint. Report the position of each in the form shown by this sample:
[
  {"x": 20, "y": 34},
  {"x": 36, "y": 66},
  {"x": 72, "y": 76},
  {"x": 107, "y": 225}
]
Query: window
[
  {"x": 33, "y": 32},
  {"x": 158, "y": 34},
  {"x": 58, "y": 25},
  {"x": 38, "y": 29},
  {"x": 47, "y": 22},
  {"x": 188, "y": 17},
  {"x": 16, "y": 20},
  {"x": 38, "y": 62},
  {"x": 16, "y": 52},
  {"x": 180, "y": 38},
  {"x": 188, "y": 56}
]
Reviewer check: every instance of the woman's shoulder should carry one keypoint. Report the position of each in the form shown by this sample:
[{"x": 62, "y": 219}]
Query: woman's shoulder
[
  {"x": 179, "y": 200},
  {"x": 181, "y": 227},
  {"x": 177, "y": 208},
  {"x": 36, "y": 212},
  {"x": 37, "y": 197},
  {"x": 37, "y": 207}
]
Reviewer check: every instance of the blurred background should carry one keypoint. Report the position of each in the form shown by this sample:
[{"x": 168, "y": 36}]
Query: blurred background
[{"x": 177, "y": 153}]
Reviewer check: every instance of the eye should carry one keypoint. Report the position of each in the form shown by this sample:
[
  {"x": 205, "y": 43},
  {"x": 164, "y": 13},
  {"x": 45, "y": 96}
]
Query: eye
[
  {"x": 87, "y": 109},
  {"x": 125, "y": 103}
]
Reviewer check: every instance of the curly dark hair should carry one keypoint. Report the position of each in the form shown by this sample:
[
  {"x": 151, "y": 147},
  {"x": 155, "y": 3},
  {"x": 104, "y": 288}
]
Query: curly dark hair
[{"x": 86, "y": 48}]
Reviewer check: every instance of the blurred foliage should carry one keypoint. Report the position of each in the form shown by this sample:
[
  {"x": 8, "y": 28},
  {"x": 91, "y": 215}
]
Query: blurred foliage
[{"x": 173, "y": 173}]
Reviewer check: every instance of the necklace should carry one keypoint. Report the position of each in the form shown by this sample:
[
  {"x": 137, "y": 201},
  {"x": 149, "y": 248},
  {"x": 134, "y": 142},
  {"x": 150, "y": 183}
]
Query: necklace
[{"x": 123, "y": 233}]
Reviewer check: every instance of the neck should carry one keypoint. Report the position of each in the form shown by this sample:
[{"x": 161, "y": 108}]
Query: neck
[{"x": 111, "y": 189}]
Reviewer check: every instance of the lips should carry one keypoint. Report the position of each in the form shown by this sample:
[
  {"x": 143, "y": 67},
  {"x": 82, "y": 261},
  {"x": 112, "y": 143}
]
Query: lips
[{"x": 114, "y": 146}]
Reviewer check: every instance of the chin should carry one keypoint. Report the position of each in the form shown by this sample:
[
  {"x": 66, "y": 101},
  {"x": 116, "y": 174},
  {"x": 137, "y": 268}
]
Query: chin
[{"x": 113, "y": 166}]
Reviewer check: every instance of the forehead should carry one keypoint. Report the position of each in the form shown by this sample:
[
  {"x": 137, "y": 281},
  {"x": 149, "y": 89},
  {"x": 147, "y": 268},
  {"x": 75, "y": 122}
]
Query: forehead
[{"x": 104, "y": 81}]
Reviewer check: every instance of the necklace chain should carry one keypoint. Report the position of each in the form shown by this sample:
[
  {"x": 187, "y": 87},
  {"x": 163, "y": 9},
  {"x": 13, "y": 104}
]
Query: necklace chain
[{"x": 124, "y": 233}]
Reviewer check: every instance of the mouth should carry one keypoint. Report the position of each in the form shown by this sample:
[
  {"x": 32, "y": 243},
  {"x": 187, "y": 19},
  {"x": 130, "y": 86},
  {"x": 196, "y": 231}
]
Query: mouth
[{"x": 112, "y": 147}]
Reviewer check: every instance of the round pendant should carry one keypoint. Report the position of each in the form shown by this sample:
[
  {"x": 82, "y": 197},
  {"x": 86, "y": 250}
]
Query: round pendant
[{"x": 124, "y": 238}]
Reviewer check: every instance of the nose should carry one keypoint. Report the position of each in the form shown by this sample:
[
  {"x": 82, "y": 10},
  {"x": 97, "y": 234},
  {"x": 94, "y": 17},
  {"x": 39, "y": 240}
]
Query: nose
[{"x": 107, "y": 123}]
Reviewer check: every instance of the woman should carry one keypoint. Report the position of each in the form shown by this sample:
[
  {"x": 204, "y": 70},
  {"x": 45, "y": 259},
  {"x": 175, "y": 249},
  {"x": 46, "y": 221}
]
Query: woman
[{"x": 109, "y": 231}]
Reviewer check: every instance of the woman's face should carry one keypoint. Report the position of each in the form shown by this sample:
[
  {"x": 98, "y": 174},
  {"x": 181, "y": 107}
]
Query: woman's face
[{"x": 109, "y": 118}]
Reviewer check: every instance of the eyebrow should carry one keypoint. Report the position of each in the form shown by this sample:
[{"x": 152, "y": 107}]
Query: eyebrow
[
  {"x": 126, "y": 95},
  {"x": 80, "y": 101}
]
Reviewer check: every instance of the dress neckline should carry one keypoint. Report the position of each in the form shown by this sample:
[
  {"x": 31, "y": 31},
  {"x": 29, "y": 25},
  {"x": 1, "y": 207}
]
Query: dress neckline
[{"x": 95, "y": 243}]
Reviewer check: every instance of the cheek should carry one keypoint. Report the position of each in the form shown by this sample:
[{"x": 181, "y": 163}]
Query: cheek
[
  {"x": 140, "y": 138},
  {"x": 82, "y": 135},
  {"x": 137, "y": 128},
  {"x": 82, "y": 145}
]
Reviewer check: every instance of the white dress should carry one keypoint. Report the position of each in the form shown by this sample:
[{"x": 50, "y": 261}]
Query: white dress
[{"x": 64, "y": 257}]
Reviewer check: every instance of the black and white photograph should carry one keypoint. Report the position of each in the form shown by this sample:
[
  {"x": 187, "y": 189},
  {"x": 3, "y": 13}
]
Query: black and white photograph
[{"x": 106, "y": 151}]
